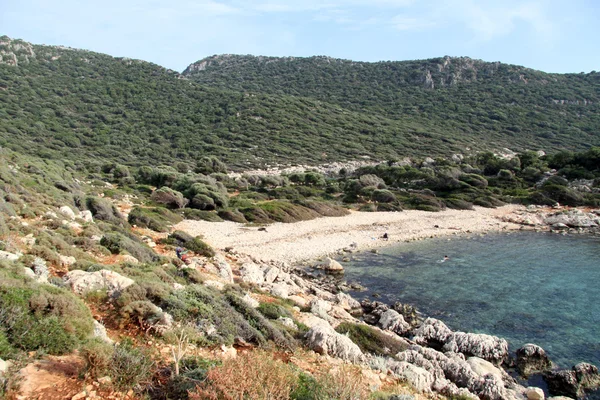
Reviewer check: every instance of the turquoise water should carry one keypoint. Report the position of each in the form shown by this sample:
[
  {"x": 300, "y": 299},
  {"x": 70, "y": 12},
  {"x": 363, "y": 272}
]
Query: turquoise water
[{"x": 526, "y": 287}]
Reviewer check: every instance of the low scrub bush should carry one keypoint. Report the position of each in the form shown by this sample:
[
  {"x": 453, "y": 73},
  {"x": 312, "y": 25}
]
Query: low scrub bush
[
  {"x": 117, "y": 243},
  {"x": 273, "y": 311},
  {"x": 371, "y": 340},
  {"x": 130, "y": 366},
  {"x": 253, "y": 376},
  {"x": 200, "y": 215},
  {"x": 169, "y": 197},
  {"x": 158, "y": 219},
  {"x": 195, "y": 244},
  {"x": 103, "y": 210}
]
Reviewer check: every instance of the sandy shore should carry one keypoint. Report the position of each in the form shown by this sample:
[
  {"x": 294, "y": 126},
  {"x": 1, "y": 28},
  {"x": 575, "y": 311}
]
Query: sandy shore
[{"x": 312, "y": 239}]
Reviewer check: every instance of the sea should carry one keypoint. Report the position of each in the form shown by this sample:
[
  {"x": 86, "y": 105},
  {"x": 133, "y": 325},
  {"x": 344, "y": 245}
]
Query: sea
[{"x": 526, "y": 287}]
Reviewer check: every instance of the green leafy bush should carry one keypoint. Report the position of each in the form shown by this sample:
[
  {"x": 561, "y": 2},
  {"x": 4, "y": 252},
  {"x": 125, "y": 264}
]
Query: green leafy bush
[
  {"x": 158, "y": 219},
  {"x": 117, "y": 243}
]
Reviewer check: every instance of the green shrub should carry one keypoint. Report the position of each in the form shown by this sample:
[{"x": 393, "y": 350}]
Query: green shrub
[
  {"x": 98, "y": 357},
  {"x": 103, "y": 210},
  {"x": 180, "y": 238},
  {"x": 130, "y": 366},
  {"x": 200, "y": 215},
  {"x": 371, "y": 340},
  {"x": 169, "y": 197},
  {"x": 117, "y": 243},
  {"x": 273, "y": 311},
  {"x": 383, "y": 196},
  {"x": 158, "y": 219}
]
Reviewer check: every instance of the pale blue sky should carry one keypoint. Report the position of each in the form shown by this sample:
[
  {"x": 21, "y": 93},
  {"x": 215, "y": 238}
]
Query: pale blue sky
[{"x": 550, "y": 35}]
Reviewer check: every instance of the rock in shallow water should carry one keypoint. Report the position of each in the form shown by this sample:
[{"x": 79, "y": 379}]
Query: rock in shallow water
[{"x": 532, "y": 358}]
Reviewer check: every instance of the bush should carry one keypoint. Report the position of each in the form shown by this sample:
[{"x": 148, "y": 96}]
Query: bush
[
  {"x": 117, "y": 243},
  {"x": 200, "y": 215},
  {"x": 233, "y": 215},
  {"x": 372, "y": 340},
  {"x": 158, "y": 219},
  {"x": 273, "y": 311},
  {"x": 253, "y": 376},
  {"x": 98, "y": 357},
  {"x": 130, "y": 367},
  {"x": 180, "y": 238},
  {"x": 383, "y": 196},
  {"x": 169, "y": 197},
  {"x": 104, "y": 210}
]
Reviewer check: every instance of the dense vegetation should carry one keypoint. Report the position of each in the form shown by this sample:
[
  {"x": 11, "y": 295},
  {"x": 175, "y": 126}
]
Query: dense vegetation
[{"x": 74, "y": 104}]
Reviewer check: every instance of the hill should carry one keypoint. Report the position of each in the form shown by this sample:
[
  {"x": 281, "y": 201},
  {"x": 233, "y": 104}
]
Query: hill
[{"x": 65, "y": 103}]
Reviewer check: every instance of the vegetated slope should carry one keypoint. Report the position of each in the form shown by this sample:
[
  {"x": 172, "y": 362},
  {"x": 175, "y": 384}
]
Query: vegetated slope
[
  {"x": 494, "y": 101},
  {"x": 65, "y": 103}
]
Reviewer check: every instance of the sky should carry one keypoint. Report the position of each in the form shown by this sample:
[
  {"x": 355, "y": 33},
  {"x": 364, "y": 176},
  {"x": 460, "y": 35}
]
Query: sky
[{"x": 548, "y": 35}]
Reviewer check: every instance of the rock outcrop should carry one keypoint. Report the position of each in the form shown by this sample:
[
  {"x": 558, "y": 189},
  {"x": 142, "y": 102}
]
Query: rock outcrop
[
  {"x": 488, "y": 347},
  {"x": 532, "y": 358},
  {"x": 331, "y": 266},
  {"x": 394, "y": 321},
  {"x": 82, "y": 282},
  {"x": 323, "y": 339},
  {"x": 574, "y": 382}
]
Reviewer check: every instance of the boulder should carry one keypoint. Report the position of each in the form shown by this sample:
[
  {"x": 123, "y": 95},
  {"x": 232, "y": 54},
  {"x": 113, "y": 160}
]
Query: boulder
[
  {"x": 323, "y": 339},
  {"x": 100, "y": 332},
  {"x": 574, "y": 382},
  {"x": 3, "y": 367},
  {"x": 587, "y": 376},
  {"x": 127, "y": 258},
  {"x": 300, "y": 301},
  {"x": 82, "y": 282},
  {"x": 346, "y": 301},
  {"x": 332, "y": 266},
  {"x": 532, "y": 358},
  {"x": 271, "y": 274},
  {"x": 432, "y": 332},
  {"x": 419, "y": 378},
  {"x": 5, "y": 255},
  {"x": 223, "y": 268},
  {"x": 250, "y": 301},
  {"x": 252, "y": 273},
  {"x": 86, "y": 215},
  {"x": 321, "y": 308},
  {"x": 67, "y": 261},
  {"x": 490, "y": 348},
  {"x": 394, "y": 321},
  {"x": 214, "y": 284},
  {"x": 288, "y": 322},
  {"x": 280, "y": 290},
  {"x": 490, "y": 388},
  {"x": 483, "y": 367},
  {"x": 41, "y": 270},
  {"x": 67, "y": 212},
  {"x": 535, "y": 393}
]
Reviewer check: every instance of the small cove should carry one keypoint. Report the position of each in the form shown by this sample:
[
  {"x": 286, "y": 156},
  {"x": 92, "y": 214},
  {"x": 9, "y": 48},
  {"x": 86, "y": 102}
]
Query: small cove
[{"x": 525, "y": 287}]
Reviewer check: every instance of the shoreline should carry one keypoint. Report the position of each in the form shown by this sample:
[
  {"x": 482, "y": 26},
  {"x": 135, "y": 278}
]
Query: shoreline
[{"x": 359, "y": 231}]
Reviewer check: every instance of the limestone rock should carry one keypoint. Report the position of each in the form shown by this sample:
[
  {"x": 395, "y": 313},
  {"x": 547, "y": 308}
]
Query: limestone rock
[
  {"x": 280, "y": 290},
  {"x": 214, "y": 284},
  {"x": 41, "y": 270},
  {"x": 418, "y": 377},
  {"x": 250, "y": 301},
  {"x": 5, "y": 255},
  {"x": 562, "y": 382},
  {"x": 483, "y": 367},
  {"x": 67, "y": 212},
  {"x": 532, "y": 358},
  {"x": 587, "y": 375},
  {"x": 323, "y": 339},
  {"x": 129, "y": 259},
  {"x": 287, "y": 322},
  {"x": 3, "y": 367},
  {"x": 490, "y": 388},
  {"x": 394, "y": 321},
  {"x": 271, "y": 274},
  {"x": 330, "y": 265},
  {"x": 223, "y": 267},
  {"x": 82, "y": 282},
  {"x": 300, "y": 301},
  {"x": 346, "y": 301},
  {"x": 320, "y": 308},
  {"x": 252, "y": 273},
  {"x": 86, "y": 215},
  {"x": 490, "y": 348},
  {"x": 67, "y": 261},
  {"x": 100, "y": 332},
  {"x": 534, "y": 393},
  {"x": 432, "y": 332}
]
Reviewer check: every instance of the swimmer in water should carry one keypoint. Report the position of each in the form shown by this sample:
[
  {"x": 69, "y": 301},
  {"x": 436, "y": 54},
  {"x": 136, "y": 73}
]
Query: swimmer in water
[{"x": 446, "y": 258}]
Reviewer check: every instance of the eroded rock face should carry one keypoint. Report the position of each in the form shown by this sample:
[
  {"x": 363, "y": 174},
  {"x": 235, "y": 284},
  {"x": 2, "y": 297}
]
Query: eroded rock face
[
  {"x": 252, "y": 273},
  {"x": 418, "y": 377},
  {"x": 488, "y": 347},
  {"x": 532, "y": 358},
  {"x": 82, "y": 282},
  {"x": 394, "y": 321},
  {"x": 432, "y": 332},
  {"x": 574, "y": 382},
  {"x": 223, "y": 268},
  {"x": 323, "y": 339}
]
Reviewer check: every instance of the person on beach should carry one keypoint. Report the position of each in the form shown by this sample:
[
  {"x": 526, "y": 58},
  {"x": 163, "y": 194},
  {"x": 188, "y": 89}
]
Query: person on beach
[
  {"x": 181, "y": 254},
  {"x": 385, "y": 236}
]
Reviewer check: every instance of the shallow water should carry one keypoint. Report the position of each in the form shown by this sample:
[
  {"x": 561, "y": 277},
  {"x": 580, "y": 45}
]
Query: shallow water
[{"x": 526, "y": 287}]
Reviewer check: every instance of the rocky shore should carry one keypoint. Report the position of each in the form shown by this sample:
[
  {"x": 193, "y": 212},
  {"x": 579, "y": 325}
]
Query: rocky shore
[{"x": 433, "y": 358}]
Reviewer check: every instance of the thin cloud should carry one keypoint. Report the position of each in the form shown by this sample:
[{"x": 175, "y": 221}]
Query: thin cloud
[{"x": 403, "y": 23}]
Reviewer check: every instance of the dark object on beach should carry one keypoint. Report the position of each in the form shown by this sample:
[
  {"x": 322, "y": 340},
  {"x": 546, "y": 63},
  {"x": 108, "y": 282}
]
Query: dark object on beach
[
  {"x": 262, "y": 229},
  {"x": 385, "y": 236},
  {"x": 228, "y": 249},
  {"x": 436, "y": 226}
]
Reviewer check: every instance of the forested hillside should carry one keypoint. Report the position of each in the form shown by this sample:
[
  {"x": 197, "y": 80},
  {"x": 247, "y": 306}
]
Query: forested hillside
[{"x": 66, "y": 103}]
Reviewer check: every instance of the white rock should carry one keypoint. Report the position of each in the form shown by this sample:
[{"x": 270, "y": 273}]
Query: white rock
[
  {"x": 178, "y": 286},
  {"x": 214, "y": 284},
  {"x": 483, "y": 367},
  {"x": 250, "y": 301},
  {"x": 281, "y": 290},
  {"x": 67, "y": 212},
  {"x": 3, "y": 367},
  {"x": 432, "y": 330},
  {"x": 320, "y": 308},
  {"x": 300, "y": 301},
  {"x": 418, "y": 377},
  {"x": 86, "y": 215},
  {"x": 331, "y": 265},
  {"x": 287, "y": 322},
  {"x": 252, "y": 273},
  {"x": 82, "y": 282},
  {"x": 29, "y": 273},
  {"x": 271, "y": 274},
  {"x": 394, "y": 321},
  {"x": 323, "y": 339},
  {"x": 223, "y": 267},
  {"x": 67, "y": 261},
  {"x": 534, "y": 393},
  {"x": 346, "y": 301},
  {"x": 127, "y": 258},
  {"x": 100, "y": 332},
  {"x": 5, "y": 255},
  {"x": 488, "y": 347}
]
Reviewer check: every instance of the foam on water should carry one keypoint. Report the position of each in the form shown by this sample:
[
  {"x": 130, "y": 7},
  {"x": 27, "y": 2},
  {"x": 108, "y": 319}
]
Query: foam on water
[{"x": 526, "y": 287}]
